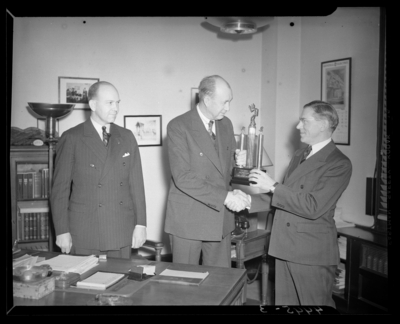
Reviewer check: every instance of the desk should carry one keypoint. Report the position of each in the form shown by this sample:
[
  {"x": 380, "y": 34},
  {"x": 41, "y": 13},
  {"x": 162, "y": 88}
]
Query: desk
[
  {"x": 223, "y": 286},
  {"x": 251, "y": 246}
]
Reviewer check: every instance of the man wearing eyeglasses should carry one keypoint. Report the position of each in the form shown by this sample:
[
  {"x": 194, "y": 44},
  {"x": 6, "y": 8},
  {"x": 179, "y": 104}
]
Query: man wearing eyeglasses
[
  {"x": 98, "y": 201},
  {"x": 303, "y": 237}
]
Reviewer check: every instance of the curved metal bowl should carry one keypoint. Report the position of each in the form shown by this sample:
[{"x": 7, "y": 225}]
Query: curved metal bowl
[{"x": 51, "y": 110}]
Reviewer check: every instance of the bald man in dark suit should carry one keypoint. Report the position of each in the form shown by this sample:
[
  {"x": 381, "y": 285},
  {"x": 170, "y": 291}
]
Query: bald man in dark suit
[{"x": 97, "y": 201}]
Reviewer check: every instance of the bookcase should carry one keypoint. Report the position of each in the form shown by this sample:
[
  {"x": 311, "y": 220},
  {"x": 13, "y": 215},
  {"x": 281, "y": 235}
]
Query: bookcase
[
  {"x": 29, "y": 183},
  {"x": 366, "y": 289}
]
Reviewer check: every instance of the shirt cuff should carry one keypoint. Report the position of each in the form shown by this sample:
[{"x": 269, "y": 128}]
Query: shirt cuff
[{"x": 140, "y": 226}]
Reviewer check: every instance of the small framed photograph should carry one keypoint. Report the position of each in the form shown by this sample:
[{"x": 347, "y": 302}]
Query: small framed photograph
[
  {"x": 75, "y": 90},
  {"x": 336, "y": 90},
  {"x": 194, "y": 98},
  {"x": 146, "y": 128}
]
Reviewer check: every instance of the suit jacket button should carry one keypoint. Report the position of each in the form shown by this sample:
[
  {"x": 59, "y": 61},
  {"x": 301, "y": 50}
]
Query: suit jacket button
[
  {"x": 120, "y": 184},
  {"x": 120, "y": 202},
  {"x": 123, "y": 163},
  {"x": 287, "y": 224},
  {"x": 301, "y": 187},
  {"x": 99, "y": 185},
  {"x": 99, "y": 205},
  {"x": 201, "y": 154}
]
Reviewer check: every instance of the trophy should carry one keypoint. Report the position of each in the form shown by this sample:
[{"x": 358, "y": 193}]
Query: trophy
[{"x": 253, "y": 145}]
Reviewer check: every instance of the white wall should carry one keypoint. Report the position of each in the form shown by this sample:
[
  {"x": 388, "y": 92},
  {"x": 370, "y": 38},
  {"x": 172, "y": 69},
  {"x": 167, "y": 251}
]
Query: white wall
[{"x": 153, "y": 62}]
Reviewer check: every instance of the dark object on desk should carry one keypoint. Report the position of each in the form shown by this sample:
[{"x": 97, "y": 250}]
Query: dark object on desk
[
  {"x": 136, "y": 273},
  {"x": 241, "y": 226},
  {"x": 64, "y": 280}
]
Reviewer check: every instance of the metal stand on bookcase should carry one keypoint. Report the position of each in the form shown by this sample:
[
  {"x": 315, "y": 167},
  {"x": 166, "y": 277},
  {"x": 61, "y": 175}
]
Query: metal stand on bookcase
[{"x": 51, "y": 112}]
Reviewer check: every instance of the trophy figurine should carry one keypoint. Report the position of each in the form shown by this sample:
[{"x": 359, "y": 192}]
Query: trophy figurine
[{"x": 253, "y": 145}]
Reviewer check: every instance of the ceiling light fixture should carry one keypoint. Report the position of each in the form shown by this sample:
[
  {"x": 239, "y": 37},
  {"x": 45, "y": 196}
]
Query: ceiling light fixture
[{"x": 238, "y": 25}]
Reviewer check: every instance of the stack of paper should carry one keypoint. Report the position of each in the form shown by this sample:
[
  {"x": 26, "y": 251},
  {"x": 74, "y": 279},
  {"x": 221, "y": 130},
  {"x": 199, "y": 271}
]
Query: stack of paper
[
  {"x": 181, "y": 277},
  {"x": 71, "y": 263},
  {"x": 25, "y": 260},
  {"x": 100, "y": 280}
]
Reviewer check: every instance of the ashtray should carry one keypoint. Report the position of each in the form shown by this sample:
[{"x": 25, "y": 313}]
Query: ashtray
[
  {"x": 31, "y": 273},
  {"x": 66, "y": 279}
]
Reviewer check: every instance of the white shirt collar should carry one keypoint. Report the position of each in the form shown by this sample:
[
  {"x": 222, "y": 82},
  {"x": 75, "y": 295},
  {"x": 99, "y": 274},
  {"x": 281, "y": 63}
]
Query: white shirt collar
[
  {"x": 205, "y": 119},
  {"x": 99, "y": 128},
  {"x": 317, "y": 147}
]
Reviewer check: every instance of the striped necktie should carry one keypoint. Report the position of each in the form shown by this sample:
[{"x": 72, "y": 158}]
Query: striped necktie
[
  {"x": 210, "y": 125},
  {"x": 306, "y": 153},
  {"x": 106, "y": 136}
]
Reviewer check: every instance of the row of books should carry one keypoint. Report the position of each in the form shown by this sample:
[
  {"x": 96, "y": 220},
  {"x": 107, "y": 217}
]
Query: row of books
[
  {"x": 32, "y": 220},
  {"x": 33, "y": 226},
  {"x": 33, "y": 184}
]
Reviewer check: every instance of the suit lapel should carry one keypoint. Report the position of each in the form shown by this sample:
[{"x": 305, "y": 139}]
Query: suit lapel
[
  {"x": 92, "y": 139},
  {"x": 204, "y": 141},
  {"x": 113, "y": 151},
  {"x": 314, "y": 162}
]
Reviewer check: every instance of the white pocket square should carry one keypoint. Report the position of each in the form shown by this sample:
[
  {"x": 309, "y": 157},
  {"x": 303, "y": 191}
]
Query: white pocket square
[{"x": 126, "y": 154}]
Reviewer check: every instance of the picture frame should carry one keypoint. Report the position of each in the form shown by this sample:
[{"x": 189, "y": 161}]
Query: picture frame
[
  {"x": 336, "y": 90},
  {"x": 75, "y": 90},
  {"x": 147, "y": 129},
  {"x": 194, "y": 98}
]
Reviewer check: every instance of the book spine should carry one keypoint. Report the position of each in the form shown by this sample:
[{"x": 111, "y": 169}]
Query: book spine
[
  {"x": 19, "y": 222},
  {"x": 34, "y": 225},
  {"x": 26, "y": 221},
  {"x": 46, "y": 183},
  {"x": 38, "y": 230},
  {"x": 20, "y": 185},
  {"x": 46, "y": 225},
  {"x": 30, "y": 226},
  {"x": 42, "y": 226},
  {"x": 22, "y": 227},
  {"x": 30, "y": 185},
  {"x": 38, "y": 184},
  {"x": 25, "y": 186}
]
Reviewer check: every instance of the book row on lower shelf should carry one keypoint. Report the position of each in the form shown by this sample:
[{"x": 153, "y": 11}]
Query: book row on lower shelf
[
  {"x": 33, "y": 184},
  {"x": 33, "y": 226}
]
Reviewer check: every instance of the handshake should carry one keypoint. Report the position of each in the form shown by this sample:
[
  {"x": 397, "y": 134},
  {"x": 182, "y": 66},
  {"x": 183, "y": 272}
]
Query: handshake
[{"x": 237, "y": 200}]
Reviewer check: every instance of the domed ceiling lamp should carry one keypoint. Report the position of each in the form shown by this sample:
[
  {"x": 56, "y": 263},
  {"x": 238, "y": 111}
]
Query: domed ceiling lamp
[{"x": 239, "y": 25}]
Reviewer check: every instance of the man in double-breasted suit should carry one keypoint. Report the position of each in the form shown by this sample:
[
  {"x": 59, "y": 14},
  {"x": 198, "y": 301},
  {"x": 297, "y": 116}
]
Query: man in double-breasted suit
[
  {"x": 304, "y": 238},
  {"x": 97, "y": 200},
  {"x": 201, "y": 157}
]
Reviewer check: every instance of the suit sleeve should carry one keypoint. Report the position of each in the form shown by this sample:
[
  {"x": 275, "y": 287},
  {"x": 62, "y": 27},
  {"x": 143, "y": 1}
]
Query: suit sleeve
[
  {"x": 137, "y": 184},
  {"x": 187, "y": 180},
  {"x": 61, "y": 187},
  {"x": 316, "y": 202}
]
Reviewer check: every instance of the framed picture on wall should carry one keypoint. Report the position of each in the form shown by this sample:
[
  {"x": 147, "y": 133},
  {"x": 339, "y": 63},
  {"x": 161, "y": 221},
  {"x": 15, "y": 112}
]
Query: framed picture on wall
[
  {"x": 146, "y": 128},
  {"x": 75, "y": 90},
  {"x": 194, "y": 98},
  {"x": 336, "y": 90}
]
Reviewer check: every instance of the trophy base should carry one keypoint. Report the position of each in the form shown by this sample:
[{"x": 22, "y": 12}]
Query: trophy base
[{"x": 241, "y": 176}]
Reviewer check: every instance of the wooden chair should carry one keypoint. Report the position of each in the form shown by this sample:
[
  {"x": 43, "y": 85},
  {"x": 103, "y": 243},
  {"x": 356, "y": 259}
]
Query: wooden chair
[{"x": 157, "y": 246}]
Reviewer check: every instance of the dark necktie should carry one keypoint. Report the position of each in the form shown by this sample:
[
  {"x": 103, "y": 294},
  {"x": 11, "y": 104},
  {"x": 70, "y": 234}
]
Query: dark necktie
[
  {"x": 306, "y": 153},
  {"x": 210, "y": 125},
  {"x": 106, "y": 136}
]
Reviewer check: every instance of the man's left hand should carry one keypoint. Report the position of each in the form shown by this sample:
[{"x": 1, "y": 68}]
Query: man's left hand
[{"x": 139, "y": 237}]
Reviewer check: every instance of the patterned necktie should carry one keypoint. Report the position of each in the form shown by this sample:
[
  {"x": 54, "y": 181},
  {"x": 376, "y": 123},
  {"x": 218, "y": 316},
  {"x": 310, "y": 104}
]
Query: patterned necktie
[
  {"x": 306, "y": 153},
  {"x": 106, "y": 136},
  {"x": 210, "y": 125}
]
